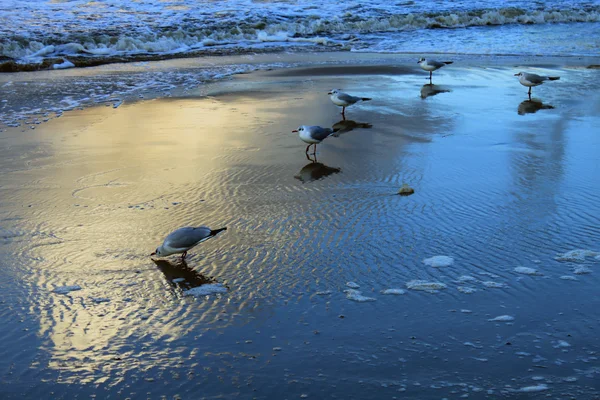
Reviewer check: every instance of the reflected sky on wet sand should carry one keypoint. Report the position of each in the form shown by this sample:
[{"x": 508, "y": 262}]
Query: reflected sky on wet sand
[{"x": 501, "y": 186}]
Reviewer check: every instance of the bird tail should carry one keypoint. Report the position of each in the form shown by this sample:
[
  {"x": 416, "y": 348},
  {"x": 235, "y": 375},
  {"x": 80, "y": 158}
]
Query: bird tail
[
  {"x": 215, "y": 232},
  {"x": 554, "y": 78},
  {"x": 365, "y": 98},
  {"x": 447, "y": 62}
]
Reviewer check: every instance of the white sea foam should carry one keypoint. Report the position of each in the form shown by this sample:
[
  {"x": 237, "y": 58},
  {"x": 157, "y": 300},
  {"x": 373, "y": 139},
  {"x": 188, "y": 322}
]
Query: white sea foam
[
  {"x": 503, "y": 318},
  {"x": 526, "y": 271},
  {"x": 431, "y": 287},
  {"x": 577, "y": 255},
  {"x": 393, "y": 291},
  {"x": 204, "y": 290},
  {"x": 66, "y": 289},
  {"x": 439, "y": 261},
  {"x": 356, "y": 295}
]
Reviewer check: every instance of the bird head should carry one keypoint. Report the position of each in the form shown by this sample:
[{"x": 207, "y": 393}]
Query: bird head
[
  {"x": 519, "y": 74},
  {"x": 157, "y": 252},
  {"x": 421, "y": 60},
  {"x": 333, "y": 91},
  {"x": 300, "y": 129}
]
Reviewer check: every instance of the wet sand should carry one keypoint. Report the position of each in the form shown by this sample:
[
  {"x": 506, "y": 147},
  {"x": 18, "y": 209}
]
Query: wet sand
[{"x": 503, "y": 186}]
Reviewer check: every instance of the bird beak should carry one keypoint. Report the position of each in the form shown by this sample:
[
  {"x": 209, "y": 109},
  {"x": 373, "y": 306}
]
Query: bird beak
[
  {"x": 418, "y": 62},
  {"x": 295, "y": 131},
  {"x": 516, "y": 74},
  {"x": 330, "y": 93},
  {"x": 153, "y": 254}
]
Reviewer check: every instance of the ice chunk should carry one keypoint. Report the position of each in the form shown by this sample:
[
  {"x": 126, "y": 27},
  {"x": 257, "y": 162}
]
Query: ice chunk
[
  {"x": 526, "y": 271},
  {"x": 431, "y": 287},
  {"x": 393, "y": 291},
  {"x": 66, "y": 289},
  {"x": 356, "y": 295},
  {"x": 204, "y": 290},
  {"x": 439, "y": 261},
  {"x": 535, "y": 388},
  {"x": 576, "y": 255},
  {"x": 353, "y": 285},
  {"x": 503, "y": 318}
]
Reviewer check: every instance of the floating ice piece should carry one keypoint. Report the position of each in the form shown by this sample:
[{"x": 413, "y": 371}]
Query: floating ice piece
[
  {"x": 204, "y": 290},
  {"x": 431, "y": 287},
  {"x": 466, "y": 311},
  {"x": 63, "y": 65},
  {"x": 466, "y": 289},
  {"x": 526, "y": 271},
  {"x": 353, "y": 285},
  {"x": 356, "y": 295},
  {"x": 503, "y": 318},
  {"x": 100, "y": 299},
  {"x": 66, "y": 289},
  {"x": 324, "y": 292},
  {"x": 177, "y": 280},
  {"x": 466, "y": 278},
  {"x": 393, "y": 291},
  {"x": 562, "y": 344},
  {"x": 492, "y": 284},
  {"x": 568, "y": 278},
  {"x": 439, "y": 261},
  {"x": 536, "y": 388},
  {"x": 576, "y": 255},
  {"x": 581, "y": 270}
]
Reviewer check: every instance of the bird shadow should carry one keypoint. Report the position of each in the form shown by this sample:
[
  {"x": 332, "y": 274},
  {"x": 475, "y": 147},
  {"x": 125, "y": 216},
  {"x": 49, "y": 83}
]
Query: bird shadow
[
  {"x": 531, "y": 106},
  {"x": 429, "y": 89},
  {"x": 180, "y": 276},
  {"x": 347, "y": 125},
  {"x": 315, "y": 170}
]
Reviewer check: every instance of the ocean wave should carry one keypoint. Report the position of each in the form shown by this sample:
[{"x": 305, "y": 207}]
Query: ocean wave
[{"x": 230, "y": 30}]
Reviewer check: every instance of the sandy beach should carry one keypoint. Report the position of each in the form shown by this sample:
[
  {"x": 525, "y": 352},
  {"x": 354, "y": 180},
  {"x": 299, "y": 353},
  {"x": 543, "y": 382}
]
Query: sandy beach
[{"x": 505, "y": 189}]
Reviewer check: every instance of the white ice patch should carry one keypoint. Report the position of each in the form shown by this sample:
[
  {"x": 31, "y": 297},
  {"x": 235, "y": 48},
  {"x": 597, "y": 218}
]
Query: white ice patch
[
  {"x": 491, "y": 284},
  {"x": 393, "y": 291},
  {"x": 466, "y": 278},
  {"x": 66, "y": 289},
  {"x": 502, "y": 318},
  {"x": 526, "y": 271},
  {"x": 204, "y": 290},
  {"x": 324, "y": 292},
  {"x": 576, "y": 255},
  {"x": 568, "y": 278},
  {"x": 431, "y": 287},
  {"x": 356, "y": 295},
  {"x": 439, "y": 261},
  {"x": 63, "y": 65},
  {"x": 353, "y": 285},
  {"x": 581, "y": 270},
  {"x": 561, "y": 344},
  {"x": 536, "y": 388},
  {"x": 466, "y": 289}
]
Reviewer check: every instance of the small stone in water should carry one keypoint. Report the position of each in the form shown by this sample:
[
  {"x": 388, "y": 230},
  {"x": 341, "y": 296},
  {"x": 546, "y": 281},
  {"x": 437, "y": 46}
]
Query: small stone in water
[{"x": 406, "y": 190}]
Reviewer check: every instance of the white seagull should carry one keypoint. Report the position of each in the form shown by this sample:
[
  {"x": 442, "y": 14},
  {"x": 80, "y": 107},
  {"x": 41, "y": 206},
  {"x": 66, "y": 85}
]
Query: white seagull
[
  {"x": 183, "y": 239},
  {"x": 313, "y": 135},
  {"x": 531, "y": 80},
  {"x": 432, "y": 65},
  {"x": 344, "y": 100}
]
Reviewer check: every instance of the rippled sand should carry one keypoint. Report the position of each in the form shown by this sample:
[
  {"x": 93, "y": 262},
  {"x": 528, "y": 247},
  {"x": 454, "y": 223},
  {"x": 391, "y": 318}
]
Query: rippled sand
[{"x": 500, "y": 187}]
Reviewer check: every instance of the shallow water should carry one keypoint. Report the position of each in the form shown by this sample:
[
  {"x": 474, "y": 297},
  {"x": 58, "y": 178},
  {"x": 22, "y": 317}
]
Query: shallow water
[{"x": 499, "y": 187}]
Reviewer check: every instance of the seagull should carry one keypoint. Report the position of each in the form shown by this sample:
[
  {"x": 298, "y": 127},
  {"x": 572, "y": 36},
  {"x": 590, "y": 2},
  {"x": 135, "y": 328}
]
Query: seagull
[
  {"x": 344, "y": 100},
  {"x": 313, "y": 135},
  {"x": 530, "y": 80},
  {"x": 432, "y": 65},
  {"x": 183, "y": 239}
]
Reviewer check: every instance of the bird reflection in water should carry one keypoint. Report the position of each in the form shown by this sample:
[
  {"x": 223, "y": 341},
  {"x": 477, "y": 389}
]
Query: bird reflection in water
[
  {"x": 315, "y": 170},
  {"x": 347, "y": 125},
  {"x": 430, "y": 89},
  {"x": 532, "y": 106},
  {"x": 180, "y": 276}
]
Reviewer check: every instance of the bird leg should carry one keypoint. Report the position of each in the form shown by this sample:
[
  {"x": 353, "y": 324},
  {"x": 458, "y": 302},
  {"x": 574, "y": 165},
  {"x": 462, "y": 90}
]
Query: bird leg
[
  {"x": 315, "y": 150},
  {"x": 183, "y": 255},
  {"x": 430, "y": 75},
  {"x": 307, "y": 147},
  {"x": 529, "y": 93}
]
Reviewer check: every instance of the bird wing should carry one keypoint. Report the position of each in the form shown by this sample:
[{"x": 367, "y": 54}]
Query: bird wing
[
  {"x": 436, "y": 64},
  {"x": 534, "y": 78},
  {"x": 320, "y": 133},
  {"x": 187, "y": 237},
  {"x": 347, "y": 98}
]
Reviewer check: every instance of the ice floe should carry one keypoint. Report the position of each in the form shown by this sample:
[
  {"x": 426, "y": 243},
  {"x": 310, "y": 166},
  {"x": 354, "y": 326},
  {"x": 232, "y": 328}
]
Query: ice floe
[
  {"x": 204, "y": 290},
  {"x": 431, "y": 287},
  {"x": 576, "y": 255},
  {"x": 526, "y": 271},
  {"x": 356, "y": 295},
  {"x": 352, "y": 285},
  {"x": 393, "y": 291},
  {"x": 503, "y": 318},
  {"x": 439, "y": 261},
  {"x": 66, "y": 289},
  {"x": 466, "y": 289},
  {"x": 491, "y": 284},
  {"x": 568, "y": 278},
  {"x": 535, "y": 388}
]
